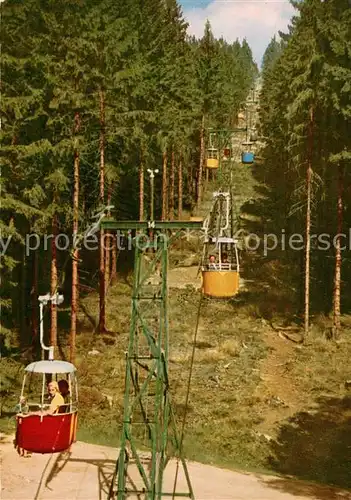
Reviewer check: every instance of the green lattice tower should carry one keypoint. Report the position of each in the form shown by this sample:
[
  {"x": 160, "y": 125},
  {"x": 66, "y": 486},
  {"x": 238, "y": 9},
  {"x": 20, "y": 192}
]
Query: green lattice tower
[{"x": 149, "y": 435}]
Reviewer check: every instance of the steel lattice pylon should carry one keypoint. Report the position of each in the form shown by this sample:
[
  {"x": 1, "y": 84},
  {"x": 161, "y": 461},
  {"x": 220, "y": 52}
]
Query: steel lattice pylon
[{"x": 148, "y": 421}]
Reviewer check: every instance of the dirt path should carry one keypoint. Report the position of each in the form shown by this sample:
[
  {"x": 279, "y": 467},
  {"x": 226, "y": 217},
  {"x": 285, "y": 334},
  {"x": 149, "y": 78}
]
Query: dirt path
[
  {"x": 181, "y": 277},
  {"x": 86, "y": 474},
  {"x": 277, "y": 390}
]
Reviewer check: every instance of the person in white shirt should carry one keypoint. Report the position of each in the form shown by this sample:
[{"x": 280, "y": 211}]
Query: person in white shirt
[{"x": 212, "y": 263}]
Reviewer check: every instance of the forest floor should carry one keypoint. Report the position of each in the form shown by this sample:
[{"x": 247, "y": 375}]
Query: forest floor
[{"x": 260, "y": 401}]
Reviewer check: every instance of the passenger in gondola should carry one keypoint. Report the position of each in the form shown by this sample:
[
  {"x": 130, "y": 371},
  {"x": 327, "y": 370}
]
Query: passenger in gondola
[
  {"x": 23, "y": 408},
  {"x": 55, "y": 400},
  {"x": 212, "y": 263},
  {"x": 225, "y": 263},
  {"x": 64, "y": 390}
]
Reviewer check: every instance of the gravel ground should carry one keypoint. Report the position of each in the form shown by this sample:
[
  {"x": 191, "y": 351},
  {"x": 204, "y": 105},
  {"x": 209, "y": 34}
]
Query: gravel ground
[{"x": 86, "y": 473}]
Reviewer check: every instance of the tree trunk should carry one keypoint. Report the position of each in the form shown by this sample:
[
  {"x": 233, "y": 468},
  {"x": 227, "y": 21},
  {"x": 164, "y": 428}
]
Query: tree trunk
[
  {"x": 15, "y": 310},
  {"x": 102, "y": 312},
  {"x": 75, "y": 255},
  {"x": 202, "y": 156},
  {"x": 108, "y": 246},
  {"x": 308, "y": 226},
  {"x": 53, "y": 284},
  {"x": 141, "y": 188},
  {"x": 164, "y": 186},
  {"x": 114, "y": 258},
  {"x": 34, "y": 294},
  {"x": 337, "y": 273},
  {"x": 23, "y": 308},
  {"x": 190, "y": 178},
  {"x": 180, "y": 188},
  {"x": 171, "y": 187},
  {"x": 108, "y": 250}
]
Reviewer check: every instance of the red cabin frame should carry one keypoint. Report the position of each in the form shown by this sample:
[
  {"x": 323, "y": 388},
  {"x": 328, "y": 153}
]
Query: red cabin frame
[{"x": 47, "y": 433}]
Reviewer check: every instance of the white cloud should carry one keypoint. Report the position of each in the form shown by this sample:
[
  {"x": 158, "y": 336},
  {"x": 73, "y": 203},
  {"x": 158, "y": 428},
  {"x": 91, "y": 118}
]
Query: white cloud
[{"x": 255, "y": 20}]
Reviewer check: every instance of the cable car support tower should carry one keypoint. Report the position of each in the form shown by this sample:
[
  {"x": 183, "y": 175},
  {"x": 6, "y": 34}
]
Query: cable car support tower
[{"x": 149, "y": 433}]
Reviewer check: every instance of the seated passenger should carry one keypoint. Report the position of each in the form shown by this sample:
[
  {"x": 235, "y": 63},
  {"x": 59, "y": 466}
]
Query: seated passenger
[
  {"x": 64, "y": 390},
  {"x": 225, "y": 263},
  {"x": 212, "y": 262},
  {"x": 56, "y": 400},
  {"x": 21, "y": 409}
]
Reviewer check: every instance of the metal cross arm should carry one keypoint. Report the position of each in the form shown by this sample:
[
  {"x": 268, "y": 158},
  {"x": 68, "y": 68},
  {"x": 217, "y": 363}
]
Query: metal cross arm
[
  {"x": 112, "y": 224},
  {"x": 226, "y": 131}
]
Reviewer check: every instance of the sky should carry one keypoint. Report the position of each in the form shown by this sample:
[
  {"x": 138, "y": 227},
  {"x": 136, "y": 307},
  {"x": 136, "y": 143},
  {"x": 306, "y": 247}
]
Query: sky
[{"x": 256, "y": 20}]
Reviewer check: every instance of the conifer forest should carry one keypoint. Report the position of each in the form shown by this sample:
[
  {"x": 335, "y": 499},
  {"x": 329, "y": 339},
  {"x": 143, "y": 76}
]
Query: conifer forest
[
  {"x": 98, "y": 94},
  {"x": 94, "y": 93}
]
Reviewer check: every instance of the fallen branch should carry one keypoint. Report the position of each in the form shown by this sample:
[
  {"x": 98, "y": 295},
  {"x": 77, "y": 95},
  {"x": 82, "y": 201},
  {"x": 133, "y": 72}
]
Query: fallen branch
[
  {"x": 281, "y": 332},
  {"x": 285, "y": 336},
  {"x": 285, "y": 328}
]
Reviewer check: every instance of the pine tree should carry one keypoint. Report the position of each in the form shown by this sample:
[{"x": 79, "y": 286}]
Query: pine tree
[{"x": 304, "y": 115}]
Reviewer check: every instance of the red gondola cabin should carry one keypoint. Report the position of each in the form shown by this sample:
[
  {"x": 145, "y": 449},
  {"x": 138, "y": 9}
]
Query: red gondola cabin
[{"x": 47, "y": 433}]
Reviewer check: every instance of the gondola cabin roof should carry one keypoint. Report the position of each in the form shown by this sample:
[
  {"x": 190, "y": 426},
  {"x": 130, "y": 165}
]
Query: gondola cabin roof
[
  {"x": 222, "y": 239},
  {"x": 50, "y": 367}
]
